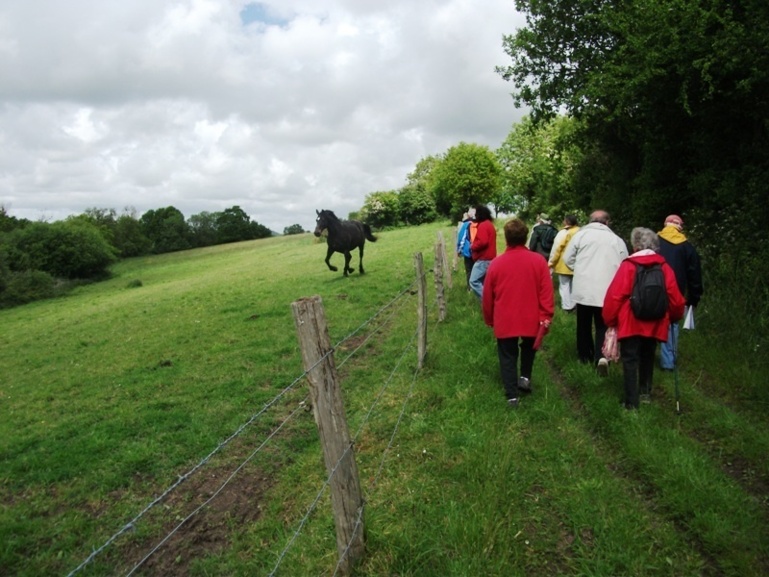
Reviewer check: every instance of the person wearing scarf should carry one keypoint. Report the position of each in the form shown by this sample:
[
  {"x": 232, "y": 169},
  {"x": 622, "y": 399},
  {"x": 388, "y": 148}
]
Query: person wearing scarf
[{"x": 683, "y": 258}]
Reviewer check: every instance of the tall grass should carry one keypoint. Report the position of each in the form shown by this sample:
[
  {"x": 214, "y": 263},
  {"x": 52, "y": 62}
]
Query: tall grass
[{"x": 114, "y": 391}]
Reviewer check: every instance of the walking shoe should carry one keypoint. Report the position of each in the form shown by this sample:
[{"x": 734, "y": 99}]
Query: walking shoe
[
  {"x": 645, "y": 398},
  {"x": 524, "y": 385},
  {"x": 512, "y": 403},
  {"x": 603, "y": 367}
]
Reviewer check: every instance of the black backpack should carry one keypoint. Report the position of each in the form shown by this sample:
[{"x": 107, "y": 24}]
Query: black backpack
[
  {"x": 649, "y": 299},
  {"x": 547, "y": 237}
]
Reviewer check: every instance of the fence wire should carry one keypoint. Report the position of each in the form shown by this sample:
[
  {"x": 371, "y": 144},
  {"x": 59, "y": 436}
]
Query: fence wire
[
  {"x": 341, "y": 458},
  {"x": 130, "y": 525}
]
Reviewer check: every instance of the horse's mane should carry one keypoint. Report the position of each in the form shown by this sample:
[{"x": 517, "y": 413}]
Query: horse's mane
[{"x": 331, "y": 215}]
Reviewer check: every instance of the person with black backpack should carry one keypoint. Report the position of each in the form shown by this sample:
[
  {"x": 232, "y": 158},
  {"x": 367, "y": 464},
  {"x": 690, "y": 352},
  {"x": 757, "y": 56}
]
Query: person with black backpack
[
  {"x": 641, "y": 302},
  {"x": 542, "y": 236}
]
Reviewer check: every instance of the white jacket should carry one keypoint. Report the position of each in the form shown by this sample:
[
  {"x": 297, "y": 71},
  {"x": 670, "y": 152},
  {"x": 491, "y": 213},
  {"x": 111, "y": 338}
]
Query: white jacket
[{"x": 594, "y": 254}]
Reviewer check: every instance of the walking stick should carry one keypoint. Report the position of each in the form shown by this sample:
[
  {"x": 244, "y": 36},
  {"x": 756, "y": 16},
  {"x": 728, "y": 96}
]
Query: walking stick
[{"x": 674, "y": 338}]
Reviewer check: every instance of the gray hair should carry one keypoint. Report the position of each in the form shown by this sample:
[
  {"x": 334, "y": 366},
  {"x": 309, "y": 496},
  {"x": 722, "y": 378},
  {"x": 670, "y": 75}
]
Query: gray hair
[
  {"x": 644, "y": 238},
  {"x": 600, "y": 216}
]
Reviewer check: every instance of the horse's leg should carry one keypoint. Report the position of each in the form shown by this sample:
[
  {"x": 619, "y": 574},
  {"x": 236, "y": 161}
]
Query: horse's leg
[
  {"x": 328, "y": 258},
  {"x": 347, "y": 259},
  {"x": 360, "y": 254}
]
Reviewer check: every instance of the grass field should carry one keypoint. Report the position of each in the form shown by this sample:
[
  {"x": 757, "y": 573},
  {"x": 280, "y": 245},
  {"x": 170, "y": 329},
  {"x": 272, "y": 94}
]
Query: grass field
[{"x": 112, "y": 393}]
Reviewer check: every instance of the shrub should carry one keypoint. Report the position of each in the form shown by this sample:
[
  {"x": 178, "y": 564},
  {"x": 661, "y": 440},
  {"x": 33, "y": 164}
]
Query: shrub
[
  {"x": 71, "y": 249},
  {"x": 25, "y": 287}
]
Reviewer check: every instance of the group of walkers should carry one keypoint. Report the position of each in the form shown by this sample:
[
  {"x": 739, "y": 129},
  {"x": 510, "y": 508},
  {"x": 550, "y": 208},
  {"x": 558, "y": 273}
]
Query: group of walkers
[{"x": 638, "y": 297}]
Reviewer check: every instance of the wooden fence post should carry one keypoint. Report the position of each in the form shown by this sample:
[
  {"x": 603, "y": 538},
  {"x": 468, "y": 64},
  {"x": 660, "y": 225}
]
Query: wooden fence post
[
  {"x": 454, "y": 256},
  {"x": 438, "y": 276},
  {"x": 445, "y": 259},
  {"x": 328, "y": 409},
  {"x": 421, "y": 310}
]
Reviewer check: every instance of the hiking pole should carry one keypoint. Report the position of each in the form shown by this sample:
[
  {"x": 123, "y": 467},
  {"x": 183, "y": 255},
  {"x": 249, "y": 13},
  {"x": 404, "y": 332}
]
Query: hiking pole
[{"x": 674, "y": 338}]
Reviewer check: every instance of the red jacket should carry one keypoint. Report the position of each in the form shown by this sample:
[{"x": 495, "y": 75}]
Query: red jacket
[
  {"x": 616, "y": 304},
  {"x": 517, "y": 293},
  {"x": 484, "y": 245}
]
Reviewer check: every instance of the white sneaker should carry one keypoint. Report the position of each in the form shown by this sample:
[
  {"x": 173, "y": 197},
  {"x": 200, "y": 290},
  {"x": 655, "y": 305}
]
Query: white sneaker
[{"x": 603, "y": 367}]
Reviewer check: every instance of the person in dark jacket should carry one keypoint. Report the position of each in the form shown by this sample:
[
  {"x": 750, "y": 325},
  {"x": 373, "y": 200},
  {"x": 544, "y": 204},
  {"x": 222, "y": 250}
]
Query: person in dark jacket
[
  {"x": 542, "y": 236},
  {"x": 682, "y": 257},
  {"x": 638, "y": 338}
]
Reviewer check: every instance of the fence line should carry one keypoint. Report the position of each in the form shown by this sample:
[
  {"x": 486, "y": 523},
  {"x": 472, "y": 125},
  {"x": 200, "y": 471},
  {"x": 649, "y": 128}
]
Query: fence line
[
  {"x": 317, "y": 330},
  {"x": 130, "y": 525},
  {"x": 275, "y": 431},
  {"x": 339, "y": 461},
  {"x": 373, "y": 482}
]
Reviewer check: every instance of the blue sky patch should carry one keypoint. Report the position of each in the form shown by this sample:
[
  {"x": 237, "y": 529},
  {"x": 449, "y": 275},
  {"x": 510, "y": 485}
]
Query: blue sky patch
[{"x": 256, "y": 12}]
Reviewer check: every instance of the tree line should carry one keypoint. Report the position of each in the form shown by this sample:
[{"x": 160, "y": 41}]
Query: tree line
[{"x": 40, "y": 259}]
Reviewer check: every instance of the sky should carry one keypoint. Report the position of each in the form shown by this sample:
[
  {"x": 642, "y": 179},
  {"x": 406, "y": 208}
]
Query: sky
[{"x": 281, "y": 107}]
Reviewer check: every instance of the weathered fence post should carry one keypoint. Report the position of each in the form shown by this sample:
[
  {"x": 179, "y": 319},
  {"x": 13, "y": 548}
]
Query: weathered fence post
[
  {"x": 445, "y": 259},
  {"x": 454, "y": 254},
  {"x": 421, "y": 310},
  {"x": 328, "y": 409},
  {"x": 438, "y": 274}
]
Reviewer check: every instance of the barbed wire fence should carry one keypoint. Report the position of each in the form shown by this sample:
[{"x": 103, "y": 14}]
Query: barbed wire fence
[{"x": 382, "y": 317}]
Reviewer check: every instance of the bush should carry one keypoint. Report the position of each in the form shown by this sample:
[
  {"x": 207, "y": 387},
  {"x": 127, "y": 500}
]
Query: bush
[
  {"x": 25, "y": 287},
  {"x": 71, "y": 249}
]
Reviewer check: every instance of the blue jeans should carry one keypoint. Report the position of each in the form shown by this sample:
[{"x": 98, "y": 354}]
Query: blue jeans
[
  {"x": 478, "y": 276},
  {"x": 668, "y": 350}
]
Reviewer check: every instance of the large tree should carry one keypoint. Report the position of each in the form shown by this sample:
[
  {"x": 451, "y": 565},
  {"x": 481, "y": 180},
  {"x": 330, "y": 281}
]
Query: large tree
[
  {"x": 233, "y": 225},
  {"x": 381, "y": 209},
  {"x": 671, "y": 95},
  {"x": 538, "y": 162},
  {"x": 468, "y": 174},
  {"x": 166, "y": 229},
  {"x": 203, "y": 230}
]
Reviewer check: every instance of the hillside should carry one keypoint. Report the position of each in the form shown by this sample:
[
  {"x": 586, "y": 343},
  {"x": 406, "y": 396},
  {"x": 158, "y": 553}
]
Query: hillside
[{"x": 112, "y": 395}]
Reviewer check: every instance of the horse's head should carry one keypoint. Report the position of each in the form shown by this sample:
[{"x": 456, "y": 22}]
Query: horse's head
[{"x": 322, "y": 222}]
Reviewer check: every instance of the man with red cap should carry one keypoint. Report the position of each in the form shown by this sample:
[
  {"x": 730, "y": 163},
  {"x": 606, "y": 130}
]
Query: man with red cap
[{"x": 683, "y": 258}]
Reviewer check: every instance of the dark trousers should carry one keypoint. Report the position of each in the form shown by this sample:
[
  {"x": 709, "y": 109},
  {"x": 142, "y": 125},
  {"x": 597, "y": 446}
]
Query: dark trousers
[
  {"x": 589, "y": 350},
  {"x": 637, "y": 355},
  {"x": 507, "y": 349},
  {"x": 468, "y": 268}
]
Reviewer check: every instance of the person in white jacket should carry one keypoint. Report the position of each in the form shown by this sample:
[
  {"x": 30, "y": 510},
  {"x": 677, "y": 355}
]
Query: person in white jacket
[{"x": 594, "y": 254}]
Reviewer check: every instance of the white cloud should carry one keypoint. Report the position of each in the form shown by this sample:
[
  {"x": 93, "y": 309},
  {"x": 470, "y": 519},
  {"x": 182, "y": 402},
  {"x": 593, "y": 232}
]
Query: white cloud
[{"x": 280, "y": 107}]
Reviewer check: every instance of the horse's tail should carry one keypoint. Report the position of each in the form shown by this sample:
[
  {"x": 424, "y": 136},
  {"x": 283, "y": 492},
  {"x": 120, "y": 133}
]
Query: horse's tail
[{"x": 367, "y": 231}]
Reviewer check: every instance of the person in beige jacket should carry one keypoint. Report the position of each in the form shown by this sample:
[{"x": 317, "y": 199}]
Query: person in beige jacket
[
  {"x": 558, "y": 266},
  {"x": 594, "y": 254}
]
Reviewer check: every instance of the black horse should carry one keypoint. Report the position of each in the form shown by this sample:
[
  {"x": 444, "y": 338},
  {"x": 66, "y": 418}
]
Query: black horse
[{"x": 343, "y": 236}]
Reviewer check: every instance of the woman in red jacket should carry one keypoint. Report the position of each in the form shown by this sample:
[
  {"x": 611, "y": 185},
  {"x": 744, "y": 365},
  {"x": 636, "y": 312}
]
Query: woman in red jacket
[
  {"x": 638, "y": 338},
  {"x": 483, "y": 248},
  {"x": 517, "y": 298}
]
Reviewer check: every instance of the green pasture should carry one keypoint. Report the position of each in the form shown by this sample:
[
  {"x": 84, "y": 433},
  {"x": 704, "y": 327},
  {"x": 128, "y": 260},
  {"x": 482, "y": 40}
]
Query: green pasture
[{"x": 108, "y": 395}]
